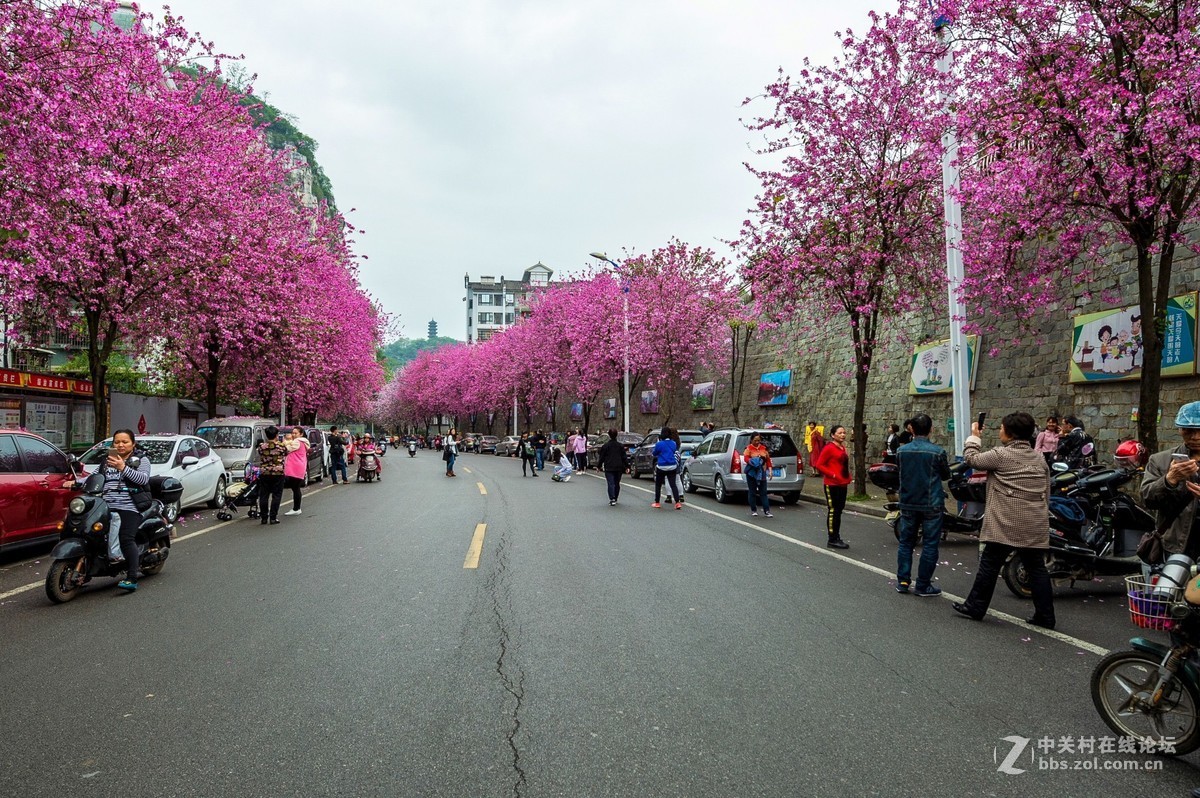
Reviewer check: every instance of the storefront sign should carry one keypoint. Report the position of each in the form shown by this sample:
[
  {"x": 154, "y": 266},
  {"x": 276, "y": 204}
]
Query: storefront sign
[
  {"x": 13, "y": 379},
  {"x": 42, "y": 382}
]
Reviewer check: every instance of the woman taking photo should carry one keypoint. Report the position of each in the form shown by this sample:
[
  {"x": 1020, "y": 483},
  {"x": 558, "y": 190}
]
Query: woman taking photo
[
  {"x": 833, "y": 464},
  {"x": 1015, "y": 517},
  {"x": 122, "y": 478}
]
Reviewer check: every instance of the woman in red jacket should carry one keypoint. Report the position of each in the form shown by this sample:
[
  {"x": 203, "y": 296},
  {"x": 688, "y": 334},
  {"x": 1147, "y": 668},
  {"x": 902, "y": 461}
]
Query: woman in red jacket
[{"x": 833, "y": 463}]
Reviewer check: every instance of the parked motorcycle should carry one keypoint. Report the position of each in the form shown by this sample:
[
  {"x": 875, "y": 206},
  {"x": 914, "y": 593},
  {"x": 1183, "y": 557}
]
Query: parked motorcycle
[
  {"x": 81, "y": 553},
  {"x": 368, "y": 467},
  {"x": 412, "y": 448},
  {"x": 1099, "y": 538},
  {"x": 1152, "y": 693},
  {"x": 967, "y": 488}
]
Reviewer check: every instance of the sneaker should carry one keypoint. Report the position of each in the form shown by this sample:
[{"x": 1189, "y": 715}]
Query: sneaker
[
  {"x": 293, "y": 512},
  {"x": 837, "y": 543},
  {"x": 753, "y": 514},
  {"x": 928, "y": 590},
  {"x": 127, "y": 584},
  {"x": 902, "y": 587},
  {"x": 656, "y": 505},
  {"x": 274, "y": 521},
  {"x": 612, "y": 503},
  {"x": 767, "y": 515},
  {"x": 678, "y": 505}
]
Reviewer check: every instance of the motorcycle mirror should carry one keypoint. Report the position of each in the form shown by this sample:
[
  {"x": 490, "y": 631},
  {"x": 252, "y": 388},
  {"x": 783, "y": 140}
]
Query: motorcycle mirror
[
  {"x": 134, "y": 462},
  {"x": 1087, "y": 449},
  {"x": 1060, "y": 467}
]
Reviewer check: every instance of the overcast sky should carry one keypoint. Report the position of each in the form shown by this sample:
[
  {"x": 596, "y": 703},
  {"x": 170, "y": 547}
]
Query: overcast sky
[{"x": 482, "y": 137}]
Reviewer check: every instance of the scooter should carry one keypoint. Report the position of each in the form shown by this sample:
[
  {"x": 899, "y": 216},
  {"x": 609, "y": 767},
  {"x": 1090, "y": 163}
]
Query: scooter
[
  {"x": 968, "y": 488},
  {"x": 1150, "y": 694},
  {"x": 1098, "y": 537},
  {"x": 412, "y": 448},
  {"x": 368, "y": 467},
  {"x": 81, "y": 553}
]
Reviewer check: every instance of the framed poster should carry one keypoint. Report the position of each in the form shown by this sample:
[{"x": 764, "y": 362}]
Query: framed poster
[
  {"x": 774, "y": 388},
  {"x": 610, "y": 408},
  {"x": 932, "y": 371},
  {"x": 1107, "y": 345},
  {"x": 703, "y": 394},
  {"x": 649, "y": 404},
  {"x": 10, "y": 413},
  {"x": 577, "y": 411},
  {"x": 48, "y": 419},
  {"x": 83, "y": 425}
]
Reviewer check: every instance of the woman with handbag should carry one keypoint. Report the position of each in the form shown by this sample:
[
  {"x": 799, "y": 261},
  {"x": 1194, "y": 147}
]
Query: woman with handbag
[{"x": 126, "y": 482}]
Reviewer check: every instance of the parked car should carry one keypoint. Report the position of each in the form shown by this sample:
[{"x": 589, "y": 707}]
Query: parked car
[
  {"x": 469, "y": 443},
  {"x": 236, "y": 440},
  {"x": 186, "y": 457},
  {"x": 508, "y": 446},
  {"x": 642, "y": 459},
  {"x": 36, "y": 485},
  {"x": 487, "y": 444},
  {"x": 629, "y": 440},
  {"x": 716, "y": 464}
]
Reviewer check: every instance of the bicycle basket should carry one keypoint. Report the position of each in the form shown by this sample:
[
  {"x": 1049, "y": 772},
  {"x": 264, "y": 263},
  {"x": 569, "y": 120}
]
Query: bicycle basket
[{"x": 1149, "y": 604}]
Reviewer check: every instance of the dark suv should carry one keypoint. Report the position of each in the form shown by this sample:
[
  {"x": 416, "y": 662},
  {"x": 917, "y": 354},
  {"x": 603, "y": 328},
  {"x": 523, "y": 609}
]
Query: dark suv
[
  {"x": 641, "y": 461},
  {"x": 717, "y": 464}
]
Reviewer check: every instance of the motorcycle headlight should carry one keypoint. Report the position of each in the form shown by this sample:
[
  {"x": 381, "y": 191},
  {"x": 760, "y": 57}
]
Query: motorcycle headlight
[{"x": 77, "y": 506}]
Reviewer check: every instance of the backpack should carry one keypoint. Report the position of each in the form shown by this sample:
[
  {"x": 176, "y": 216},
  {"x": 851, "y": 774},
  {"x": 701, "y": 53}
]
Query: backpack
[{"x": 336, "y": 446}]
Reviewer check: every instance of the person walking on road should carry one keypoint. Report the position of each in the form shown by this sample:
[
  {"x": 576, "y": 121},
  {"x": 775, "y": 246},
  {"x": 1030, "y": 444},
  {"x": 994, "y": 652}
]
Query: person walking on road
[
  {"x": 666, "y": 466},
  {"x": 580, "y": 450},
  {"x": 614, "y": 461},
  {"x": 833, "y": 464},
  {"x": 756, "y": 465},
  {"x": 923, "y": 466},
  {"x": 295, "y": 466},
  {"x": 528, "y": 454},
  {"x": 1015, "y": 516},
  {"x": 271, "y": 455}
]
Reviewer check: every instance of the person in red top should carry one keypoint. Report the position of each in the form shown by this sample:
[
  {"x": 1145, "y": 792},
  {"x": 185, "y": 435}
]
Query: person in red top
[
  {"x": 833, "y": 463},
  {"x": 756, "y": 465}
]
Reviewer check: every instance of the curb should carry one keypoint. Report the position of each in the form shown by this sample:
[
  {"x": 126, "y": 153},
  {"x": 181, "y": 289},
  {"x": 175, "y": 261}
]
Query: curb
[{"x": 862, "y": 508}]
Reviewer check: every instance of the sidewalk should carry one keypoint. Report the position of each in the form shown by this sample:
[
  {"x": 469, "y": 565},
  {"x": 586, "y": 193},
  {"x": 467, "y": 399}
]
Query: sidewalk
[{"x": 814, "y": 491}]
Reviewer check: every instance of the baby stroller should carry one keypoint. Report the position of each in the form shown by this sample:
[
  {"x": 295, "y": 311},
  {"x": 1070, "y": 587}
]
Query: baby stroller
[
  {"x": 368, "y": 467},
  {"x": 241, "y": 494},
  {"x": 564, "y": 470}
]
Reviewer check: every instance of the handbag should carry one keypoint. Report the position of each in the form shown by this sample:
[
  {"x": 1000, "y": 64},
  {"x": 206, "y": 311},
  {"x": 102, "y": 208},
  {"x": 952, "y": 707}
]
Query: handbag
[
  {"x": 446, "y": 454},
  {"x": 1150, "y": 546}
]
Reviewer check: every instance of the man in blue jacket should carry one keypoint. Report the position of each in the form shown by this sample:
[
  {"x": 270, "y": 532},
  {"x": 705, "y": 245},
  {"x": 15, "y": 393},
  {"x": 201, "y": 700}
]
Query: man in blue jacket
[{"x": 923, "y": 466}]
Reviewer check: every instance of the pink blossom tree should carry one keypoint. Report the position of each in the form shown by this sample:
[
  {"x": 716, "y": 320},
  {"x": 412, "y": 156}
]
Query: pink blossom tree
[
  {"x": 1082, "y": 120},
  {"x": 849, "y": 229}
]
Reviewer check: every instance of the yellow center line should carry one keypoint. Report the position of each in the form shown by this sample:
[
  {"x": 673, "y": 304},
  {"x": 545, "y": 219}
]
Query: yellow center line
[
  {"x": 476, "y": 547},
  {"x": 467, "y": 469},
  {"x": 482, "y": 489}
]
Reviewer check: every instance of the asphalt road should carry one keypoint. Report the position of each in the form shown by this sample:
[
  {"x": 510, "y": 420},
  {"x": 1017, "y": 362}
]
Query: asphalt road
[{"x": 593, "y": 651}]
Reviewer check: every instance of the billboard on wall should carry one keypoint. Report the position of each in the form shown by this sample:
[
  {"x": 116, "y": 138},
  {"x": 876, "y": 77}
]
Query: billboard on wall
[
  {"x": 932, "y": 370},
  {"x": 1107, "y": 345}
]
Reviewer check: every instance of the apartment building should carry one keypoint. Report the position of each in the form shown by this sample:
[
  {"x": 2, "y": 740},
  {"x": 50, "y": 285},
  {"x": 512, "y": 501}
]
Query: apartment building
[{"x": 495, "y": 304}]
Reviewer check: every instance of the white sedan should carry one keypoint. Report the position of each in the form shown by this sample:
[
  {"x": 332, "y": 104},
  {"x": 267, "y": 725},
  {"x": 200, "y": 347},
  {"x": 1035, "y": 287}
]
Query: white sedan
[{"x": 187, "y": 458}]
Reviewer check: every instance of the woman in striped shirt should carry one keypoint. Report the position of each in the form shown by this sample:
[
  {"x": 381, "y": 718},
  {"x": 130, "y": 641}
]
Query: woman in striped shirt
[{"x": 125, "y": 471}]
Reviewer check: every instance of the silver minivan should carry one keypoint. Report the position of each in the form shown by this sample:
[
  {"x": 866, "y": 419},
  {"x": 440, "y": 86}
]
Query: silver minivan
[
  {"x": 235, "y": 439},
  {"x": 716, "y": 464}
]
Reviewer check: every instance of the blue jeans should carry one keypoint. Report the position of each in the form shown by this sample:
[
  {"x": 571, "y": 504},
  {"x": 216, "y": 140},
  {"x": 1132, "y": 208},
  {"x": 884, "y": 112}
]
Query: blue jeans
[
  {"x": 756, "y": 490},
  {"x": 450, "y": 464},
  {"x": 930, "y": 524},
  {"x": 338, "y": 463},
  {"x": 614, "y": 484},
  {"x": 540, "y": 457}
]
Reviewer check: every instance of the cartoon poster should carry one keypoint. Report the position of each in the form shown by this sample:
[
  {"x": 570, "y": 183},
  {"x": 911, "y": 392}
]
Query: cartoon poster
[
  {"x": 703, "y": 394},
  {"x": 1107, "y": 345},
  {"x": 932, "y": 371},
  {"x": 774, "y": 388},
  {"x": 649, "y": 404},
  {"x": 610, "y": 408}
]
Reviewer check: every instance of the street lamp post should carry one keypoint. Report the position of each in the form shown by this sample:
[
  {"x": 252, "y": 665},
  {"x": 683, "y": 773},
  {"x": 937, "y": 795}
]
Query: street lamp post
[
  {"x": 959, "y": 349},
  {"x": 625, "y": 297}
]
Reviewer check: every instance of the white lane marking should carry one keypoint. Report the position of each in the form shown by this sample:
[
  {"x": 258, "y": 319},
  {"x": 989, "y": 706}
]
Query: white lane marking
[
  {"x": 179, "y": 539},
  {"x": 1004, "y": 616}
]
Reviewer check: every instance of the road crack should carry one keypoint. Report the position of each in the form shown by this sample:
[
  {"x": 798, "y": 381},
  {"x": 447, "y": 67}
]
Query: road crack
[{"x": 512, "y": 677}]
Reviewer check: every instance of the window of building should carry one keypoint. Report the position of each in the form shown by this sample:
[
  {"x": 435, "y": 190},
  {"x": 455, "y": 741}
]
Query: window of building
[
  {"x": 487, "y": 318},
  {"x": 508, "y": 299},
  {"x": 498, "y": 299},
  {"x": 508, "y": 318},
  {"x": 485, "y": 299}
]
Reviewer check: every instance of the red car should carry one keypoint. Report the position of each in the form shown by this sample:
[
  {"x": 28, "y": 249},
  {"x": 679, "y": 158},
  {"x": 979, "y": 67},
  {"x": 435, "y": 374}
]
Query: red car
[{"x": 36, "y": 484}]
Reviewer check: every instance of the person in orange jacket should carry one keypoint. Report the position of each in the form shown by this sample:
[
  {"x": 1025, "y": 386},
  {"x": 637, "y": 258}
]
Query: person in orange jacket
[
  {"x": 756, "y": 465},
  {"x": 833, "y": 463}
]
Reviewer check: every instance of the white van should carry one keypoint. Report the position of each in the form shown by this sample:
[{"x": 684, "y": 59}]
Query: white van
[{"x": 235, "y": 439}]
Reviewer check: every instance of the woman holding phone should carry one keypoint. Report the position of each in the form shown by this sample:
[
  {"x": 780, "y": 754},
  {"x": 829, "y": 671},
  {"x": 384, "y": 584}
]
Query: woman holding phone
[{"x": 126, "y": 473}]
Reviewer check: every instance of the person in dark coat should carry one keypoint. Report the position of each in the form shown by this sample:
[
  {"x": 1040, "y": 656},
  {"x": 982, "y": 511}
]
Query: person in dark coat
[{"x": 614, "y": 461}]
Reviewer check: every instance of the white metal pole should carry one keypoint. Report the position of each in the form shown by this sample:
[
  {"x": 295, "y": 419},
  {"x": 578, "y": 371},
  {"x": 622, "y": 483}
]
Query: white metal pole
[
  {"x": 959, "y": 362},
  {"x": 626, "y": 298},
  {"x": 282, "y": 405},
  {"x": 515, "y": 414}
]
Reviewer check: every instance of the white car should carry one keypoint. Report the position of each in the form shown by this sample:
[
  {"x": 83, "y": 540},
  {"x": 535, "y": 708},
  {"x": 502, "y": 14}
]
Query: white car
[{"x": 187, "y": 458}]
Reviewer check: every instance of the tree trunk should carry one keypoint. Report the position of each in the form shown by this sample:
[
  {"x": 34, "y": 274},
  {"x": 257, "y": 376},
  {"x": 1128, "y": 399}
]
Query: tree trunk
[
  {"x": 860, "y": 440},
  {"x": 1152, "y": 301},
  {"x": 98, "y": 354}
]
